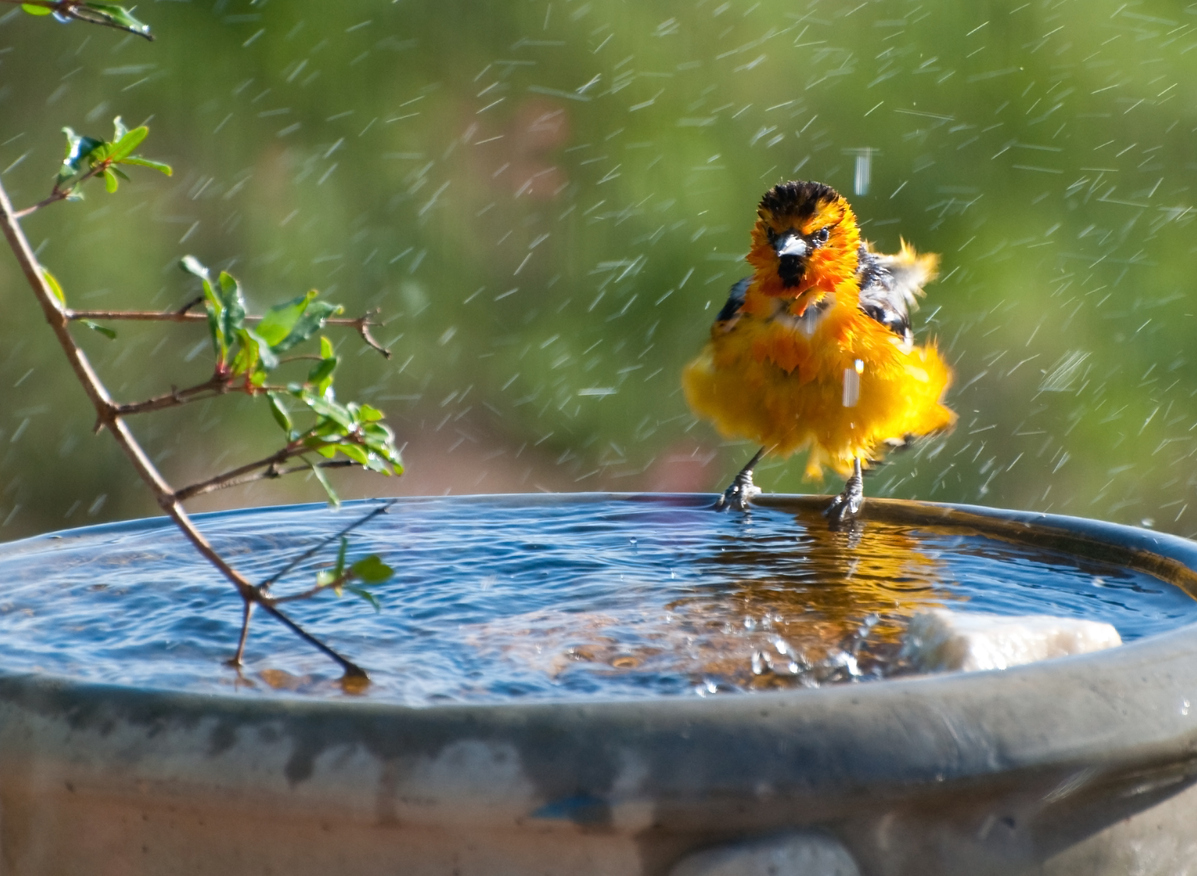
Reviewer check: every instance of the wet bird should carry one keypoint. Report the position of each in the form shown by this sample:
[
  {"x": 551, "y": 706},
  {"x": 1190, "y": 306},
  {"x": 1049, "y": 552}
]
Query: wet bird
[{"x": 815, "y": 351}]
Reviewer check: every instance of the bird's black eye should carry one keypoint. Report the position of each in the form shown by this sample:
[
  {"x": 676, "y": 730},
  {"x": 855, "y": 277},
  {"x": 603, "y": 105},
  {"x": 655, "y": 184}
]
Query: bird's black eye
[{"x": 820, "y": 237}]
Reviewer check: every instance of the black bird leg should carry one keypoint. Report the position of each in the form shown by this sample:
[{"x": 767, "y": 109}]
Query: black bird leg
[
  {"x": 742, "y": 489},
  {"x": 844, "y": 507}
]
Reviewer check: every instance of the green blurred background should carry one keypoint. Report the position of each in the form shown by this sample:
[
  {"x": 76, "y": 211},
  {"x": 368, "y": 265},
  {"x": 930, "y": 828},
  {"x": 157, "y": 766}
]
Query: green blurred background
[{"x": 549, "y": 200}]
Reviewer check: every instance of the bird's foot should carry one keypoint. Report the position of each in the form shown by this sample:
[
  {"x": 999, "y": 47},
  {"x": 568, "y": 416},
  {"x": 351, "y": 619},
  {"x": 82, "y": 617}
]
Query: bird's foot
[
  {"x": 741, "y": 492},
  {"x": 845, "y": 507}
]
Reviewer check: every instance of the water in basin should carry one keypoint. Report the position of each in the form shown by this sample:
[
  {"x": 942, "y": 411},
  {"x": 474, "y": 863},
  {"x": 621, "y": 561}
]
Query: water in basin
[{"x": 549, "y": 598}]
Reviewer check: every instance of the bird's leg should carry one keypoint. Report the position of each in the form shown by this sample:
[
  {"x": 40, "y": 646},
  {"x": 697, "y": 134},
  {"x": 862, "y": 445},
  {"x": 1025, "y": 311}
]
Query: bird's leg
[
  {"x": 845, "y": 506},
  {"x": 742, "y": 489}
]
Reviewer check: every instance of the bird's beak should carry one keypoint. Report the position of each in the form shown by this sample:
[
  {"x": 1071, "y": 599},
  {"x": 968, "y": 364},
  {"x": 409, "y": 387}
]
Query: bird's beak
[
  {"x": 792, "y": 251},
  {"x": 791, "y": 245}
]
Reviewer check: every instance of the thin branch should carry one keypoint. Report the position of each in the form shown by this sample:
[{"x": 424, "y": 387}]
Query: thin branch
[
  {"x": 247, "y": 610},
  {"x": 221, "y": 480},
  {"x": 272, "y": 472},
  {"x": 352, "y": 670},
  {"x": 213, "y": 386},
  {"x": 361, "y": 323},
  {"x": 57, "y": 194}
]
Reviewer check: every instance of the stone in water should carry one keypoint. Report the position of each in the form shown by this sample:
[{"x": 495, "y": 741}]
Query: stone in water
[{"x": 943, "y": 641}]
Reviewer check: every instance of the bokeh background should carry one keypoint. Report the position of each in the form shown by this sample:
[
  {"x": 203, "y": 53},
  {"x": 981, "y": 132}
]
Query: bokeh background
[{"x": 549, "y": 200}]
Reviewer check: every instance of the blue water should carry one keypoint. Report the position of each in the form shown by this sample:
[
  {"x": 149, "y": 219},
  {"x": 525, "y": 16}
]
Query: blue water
[{"x": 560, "y": 598}]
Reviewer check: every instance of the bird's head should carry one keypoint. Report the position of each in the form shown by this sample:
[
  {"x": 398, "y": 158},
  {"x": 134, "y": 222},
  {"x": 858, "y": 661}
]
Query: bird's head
[{"x": 805, "y": 238}]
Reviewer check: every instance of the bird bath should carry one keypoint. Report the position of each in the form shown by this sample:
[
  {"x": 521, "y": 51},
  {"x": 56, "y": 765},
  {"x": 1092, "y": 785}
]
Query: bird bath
[{"x": 598, "y": 684}]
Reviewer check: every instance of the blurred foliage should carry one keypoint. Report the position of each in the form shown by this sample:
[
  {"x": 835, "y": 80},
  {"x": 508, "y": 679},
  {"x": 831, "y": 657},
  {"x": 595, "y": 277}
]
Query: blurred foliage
[{"x": 549, "y": 201}]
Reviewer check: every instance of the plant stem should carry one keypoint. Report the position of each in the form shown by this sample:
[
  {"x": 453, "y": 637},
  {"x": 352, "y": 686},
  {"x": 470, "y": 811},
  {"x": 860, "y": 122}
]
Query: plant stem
[
  {"x": 231, "y": 479},
  {"x": 109, "y": 416},
  {"x": 361, "y": 323}
]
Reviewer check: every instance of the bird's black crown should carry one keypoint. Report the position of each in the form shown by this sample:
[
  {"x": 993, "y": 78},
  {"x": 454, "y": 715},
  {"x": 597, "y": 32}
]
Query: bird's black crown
[{"x": 797, "y": 200}]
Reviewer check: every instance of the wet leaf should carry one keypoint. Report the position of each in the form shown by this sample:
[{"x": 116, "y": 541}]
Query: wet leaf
[
  {"x": 145, "y": 162},
  {"x": 362, "y": 593},
  {"x": 279, "y": 320},
  {"x": 372, "y": 570},
  {"x": 321, "y": 374},
  {"x": 79, "y": 151},
  {"x": 339, "y": 569},
  {"x": 128, "y": 142},
  {"x": 119, "y": 16},
  {"x": 310, "y": 322},
  {"x": 54, "y": 285},
  {"x": 323, "y": 478},
  {"x": 355, "y": 452},
  {"x": 102, "y": 329},
  {"x": 279, "y": 412},
  {"x": 368, "y": 414}
]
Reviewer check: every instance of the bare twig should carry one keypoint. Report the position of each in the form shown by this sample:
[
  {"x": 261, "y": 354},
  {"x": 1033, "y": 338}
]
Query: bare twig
[
  {"x": 214, "y": 385},
  {"x": 246, "y": 474},
  {"x": 361, "y": 323},
  {"x": 57, "y": 194}
]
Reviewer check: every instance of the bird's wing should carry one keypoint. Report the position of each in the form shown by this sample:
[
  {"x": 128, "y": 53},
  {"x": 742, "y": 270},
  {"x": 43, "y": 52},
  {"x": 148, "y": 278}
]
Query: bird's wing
[
  {"x": 891, "y": 284},
  {"x": 735, "y": 301}
]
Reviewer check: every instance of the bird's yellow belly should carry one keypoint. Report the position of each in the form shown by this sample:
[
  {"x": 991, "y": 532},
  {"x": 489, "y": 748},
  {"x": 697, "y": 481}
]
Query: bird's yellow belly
[{"x": 843, "y": 399}]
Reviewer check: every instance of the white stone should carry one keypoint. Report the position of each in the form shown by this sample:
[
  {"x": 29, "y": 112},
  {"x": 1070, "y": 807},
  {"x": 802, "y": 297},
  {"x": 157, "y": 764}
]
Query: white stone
[
  {"x": 794, "y": 854},
  {"x": 940, "y": 640}
]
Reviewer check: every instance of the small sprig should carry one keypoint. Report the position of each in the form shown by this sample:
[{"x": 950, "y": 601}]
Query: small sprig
[
  {"x": 93, "y": 12},
  {"x": 87, "y": 157},
  {"x": 245, "y": 358}
]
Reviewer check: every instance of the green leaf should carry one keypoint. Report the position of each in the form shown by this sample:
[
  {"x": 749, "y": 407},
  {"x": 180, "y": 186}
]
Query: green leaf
[
  {"x": 126, "y": 143},
  {"x": 325, "y": 577},
  {"x": 339, "y": 569},
  {"x": 366, "y": 595},
  {"x": 54, "y": 285},
  {"x": 355, "y": 452},
  {"x": 322, "y": 373},
  {"x": 145, "y": 162},
  {"x": 233, "y": 315},
  {"x": 118, "y": 129},
  {"x": 323, "y": 478},
  {"x": 279, "y": 412},
  {"x": 120, "y": 16},
  {"x": 254, "y": 355},
  {"x": 102, "y": 329},
  {"x": 372, "y": 570},
  {"x": 310, "y": 322},
  {"x": 281, "y": 319},
  {"x": 329, "y": 409},
  {"x": 110, "y": 181},
  {"x": 368, "y": 414},
  {"x": 79, "y": 151},
  {"x": 326, "y": 348},
  {"x": 36, "y": 10}
]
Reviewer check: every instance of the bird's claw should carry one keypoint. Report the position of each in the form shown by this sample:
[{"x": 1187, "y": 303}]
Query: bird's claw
[
  {"x": 738, "y": 496},
  {"x": 845, "y": 507}
]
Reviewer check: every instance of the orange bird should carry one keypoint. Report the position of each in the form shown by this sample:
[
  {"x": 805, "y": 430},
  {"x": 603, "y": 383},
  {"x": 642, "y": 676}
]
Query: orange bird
[{"x": 814, "y": 350}]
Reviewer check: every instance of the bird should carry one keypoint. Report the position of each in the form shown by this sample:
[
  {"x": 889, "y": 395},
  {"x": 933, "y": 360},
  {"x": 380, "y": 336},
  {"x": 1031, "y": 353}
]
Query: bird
[{"x": 815, "y": 349}]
